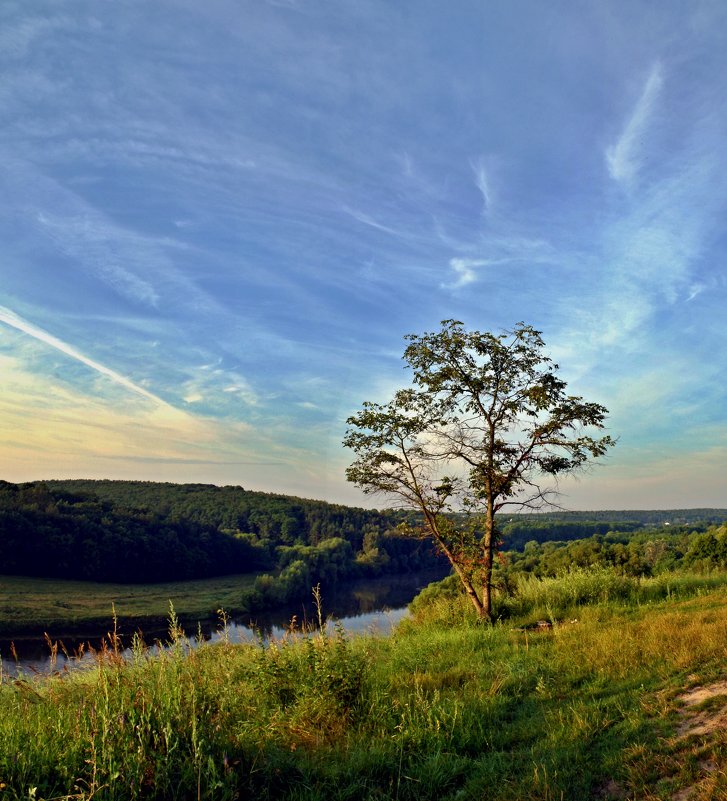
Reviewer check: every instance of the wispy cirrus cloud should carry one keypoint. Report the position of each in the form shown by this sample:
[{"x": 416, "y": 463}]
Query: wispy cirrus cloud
[
  {"x": 48, "y": 427},
  {"x": 483, "y": 184},
  {"x": 652, "y": 251},
  {"x": 89, "y": 240},
  {"x": 367, "y": 219},
  {"x": 372, "y": 222},
  {"x": 17, "y": 39},
  {"x": 694, "y": 291},
  {"x": 624, "y": 157},
  {"x": 143, "y": 268},
  {"x": 498, "y": 249},
  {"x": 276, "y": 206},
  {"x": 218, "y": 388}
]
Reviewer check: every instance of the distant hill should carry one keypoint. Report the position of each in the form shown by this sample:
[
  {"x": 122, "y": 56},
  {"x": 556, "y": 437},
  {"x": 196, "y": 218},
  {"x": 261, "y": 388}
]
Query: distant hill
[
  {"x": 138, "y": 531},
  {"x": 282, "y": 518},
  {"x": 643, "y": 516},
  {"x": 150, "y": 531},
  {"x": 518, "y": 529}
]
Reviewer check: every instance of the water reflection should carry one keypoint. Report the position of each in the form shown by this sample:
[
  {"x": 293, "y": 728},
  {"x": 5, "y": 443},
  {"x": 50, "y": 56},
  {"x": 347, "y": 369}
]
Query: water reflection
[{"x": 373, "y": 605}]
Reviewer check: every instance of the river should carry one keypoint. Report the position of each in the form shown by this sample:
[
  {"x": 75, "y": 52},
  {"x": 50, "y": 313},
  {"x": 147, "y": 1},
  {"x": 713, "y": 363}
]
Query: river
[{"x": 371, "y": 605}]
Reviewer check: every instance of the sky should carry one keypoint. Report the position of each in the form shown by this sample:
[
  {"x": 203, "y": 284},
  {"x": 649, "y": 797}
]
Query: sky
[{"x": 219, "y": 220}]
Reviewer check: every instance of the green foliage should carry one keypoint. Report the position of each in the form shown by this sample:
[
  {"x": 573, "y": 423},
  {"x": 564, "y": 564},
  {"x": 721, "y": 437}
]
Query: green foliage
[
  {"x": 560, "y": 597},
  {"x": 270, "y": 591},
  {"x": 279, "y": 519},
  {"x": 519, "y": 529},
  {"x": 516, "y": 533},
  {"x": 709, "y": 550},
  {"x": 646, "y": 552},
  {"x": 557, "y": 596},
  {"x": 315, "y": 680},
  {"x": 148, "y": 532},
  {"x": 52, "y": 533},
  {"x": 485, "y": 425}
]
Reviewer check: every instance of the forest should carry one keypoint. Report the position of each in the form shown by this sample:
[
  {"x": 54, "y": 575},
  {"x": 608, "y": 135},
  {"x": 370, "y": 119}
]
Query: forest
[
  {"x": 141, "y": 532},
  {"x": 145, "y": 532}
]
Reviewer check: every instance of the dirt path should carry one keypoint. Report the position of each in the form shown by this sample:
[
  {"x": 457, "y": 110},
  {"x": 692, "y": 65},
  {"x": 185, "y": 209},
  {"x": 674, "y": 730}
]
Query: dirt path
[
  {"x": 700, "y": 717},
  {"x": 703, "y": 721}
]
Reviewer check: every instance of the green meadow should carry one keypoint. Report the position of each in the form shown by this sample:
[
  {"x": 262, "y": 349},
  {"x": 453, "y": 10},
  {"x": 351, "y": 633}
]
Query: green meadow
[
  {"x": 59, "y": 605},
  {"x": 590, "y": 705}
]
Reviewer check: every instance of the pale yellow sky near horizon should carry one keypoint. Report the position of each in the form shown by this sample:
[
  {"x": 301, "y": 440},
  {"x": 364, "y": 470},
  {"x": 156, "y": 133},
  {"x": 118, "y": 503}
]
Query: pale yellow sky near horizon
[{"x": 131, "y": 437}]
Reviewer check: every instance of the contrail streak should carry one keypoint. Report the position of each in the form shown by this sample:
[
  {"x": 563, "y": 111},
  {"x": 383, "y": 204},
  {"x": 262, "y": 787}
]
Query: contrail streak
[{"x": 10, "y": 318}]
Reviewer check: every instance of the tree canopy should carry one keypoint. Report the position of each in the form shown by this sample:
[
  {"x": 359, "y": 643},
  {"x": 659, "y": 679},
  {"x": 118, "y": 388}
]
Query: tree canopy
[
  {"x": 487, "y": 423},
  {"x": 136, "y": 531}
]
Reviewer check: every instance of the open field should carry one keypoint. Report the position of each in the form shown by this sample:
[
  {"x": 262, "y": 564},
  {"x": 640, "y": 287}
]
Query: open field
[
  {"x": 38, "y": 605},
  {"x": 624, "y": 700}
]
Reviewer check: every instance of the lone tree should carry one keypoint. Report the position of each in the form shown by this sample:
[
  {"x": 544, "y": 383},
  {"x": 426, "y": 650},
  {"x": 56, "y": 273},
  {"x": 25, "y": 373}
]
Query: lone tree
[{"x": 486, "y": 424}]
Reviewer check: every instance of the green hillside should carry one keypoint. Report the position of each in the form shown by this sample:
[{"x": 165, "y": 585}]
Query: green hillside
[{"x": 150, "y": 532}]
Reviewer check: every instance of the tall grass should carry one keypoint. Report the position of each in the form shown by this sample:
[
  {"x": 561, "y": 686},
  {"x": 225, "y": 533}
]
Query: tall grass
[
  {"x": 561, "y": 597},
  {"x": 556, "y": 598},
  {"x": 455, "y": 711}
]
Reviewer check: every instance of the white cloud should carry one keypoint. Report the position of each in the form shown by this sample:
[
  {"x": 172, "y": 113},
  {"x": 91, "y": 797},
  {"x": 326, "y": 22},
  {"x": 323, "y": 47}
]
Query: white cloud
[
  {"x": 218, "y": 387},
  {"x": 16, "y": 40},
  {"x": 89, "y": 239},
  {"x": 367, "y": 219},
  {"x": 47, "y": 428},
  {"x": 465, "y": 270},
  {"x": 694, "y": 290},
  {"x": 623, "y": 158}
]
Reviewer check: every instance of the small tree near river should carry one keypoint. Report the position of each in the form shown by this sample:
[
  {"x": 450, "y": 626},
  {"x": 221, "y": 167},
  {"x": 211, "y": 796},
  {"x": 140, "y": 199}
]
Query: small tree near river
[{"x": 486, "y": 424}]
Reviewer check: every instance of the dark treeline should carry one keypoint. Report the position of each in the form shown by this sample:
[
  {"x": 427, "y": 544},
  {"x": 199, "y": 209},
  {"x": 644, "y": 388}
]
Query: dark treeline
[
  {"x": 517, "y": 530},
  {"x": 136, "y": 531},
  {"x": 51, "y": 532},
  {"x": 282, "y": 519},
  {"x": 147, "y": 532},
  {"x": 649, "y": 552},
  {"x": 515, "y": 535}
]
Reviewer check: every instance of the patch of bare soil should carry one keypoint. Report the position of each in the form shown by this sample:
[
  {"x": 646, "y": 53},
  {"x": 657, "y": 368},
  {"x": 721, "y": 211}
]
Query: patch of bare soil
[
  {"x": 706, "y": 720},
  {"x": 703, "y": 721},
  {"x": 612, "y": 791}
]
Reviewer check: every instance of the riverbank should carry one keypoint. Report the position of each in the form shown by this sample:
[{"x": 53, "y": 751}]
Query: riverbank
[
  {"x": 30, "y": 606},
  {"x": 445, "y": 708},
  {"x": 358, "y": 605}
]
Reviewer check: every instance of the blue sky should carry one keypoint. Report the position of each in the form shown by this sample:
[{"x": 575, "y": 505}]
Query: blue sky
[{"x": 218, "y": 220}]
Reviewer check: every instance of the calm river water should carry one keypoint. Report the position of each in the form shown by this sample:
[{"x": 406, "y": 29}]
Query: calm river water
[{"x": 373, "y": 605}]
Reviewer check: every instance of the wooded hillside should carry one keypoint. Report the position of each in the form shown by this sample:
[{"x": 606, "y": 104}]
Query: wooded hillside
[{"x": 150, "y": 532}]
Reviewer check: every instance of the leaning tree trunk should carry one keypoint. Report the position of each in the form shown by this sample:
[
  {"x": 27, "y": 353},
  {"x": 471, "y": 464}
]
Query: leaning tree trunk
[
  {"x": 466, "y": 580},
  {"x": 472, "y": 593}
]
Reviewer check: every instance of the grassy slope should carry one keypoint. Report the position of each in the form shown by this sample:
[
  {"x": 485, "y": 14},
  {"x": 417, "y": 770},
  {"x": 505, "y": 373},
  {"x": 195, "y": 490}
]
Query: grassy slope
[
  {"x": 449, "y": 710},
  {"x": 60, "y": 606}
]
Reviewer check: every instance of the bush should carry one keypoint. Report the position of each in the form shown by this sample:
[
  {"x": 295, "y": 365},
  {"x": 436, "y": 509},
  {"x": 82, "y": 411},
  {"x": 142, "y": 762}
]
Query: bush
[
  {"x": 314, "y": 687},
  {"x": 569, "y": 589}
]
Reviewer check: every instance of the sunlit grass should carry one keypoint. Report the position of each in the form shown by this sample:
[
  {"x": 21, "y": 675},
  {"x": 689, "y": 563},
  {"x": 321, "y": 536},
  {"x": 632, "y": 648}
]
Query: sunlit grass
[
  {"x": 38, "y": 604},
  {"x": 434, "y": 711}
]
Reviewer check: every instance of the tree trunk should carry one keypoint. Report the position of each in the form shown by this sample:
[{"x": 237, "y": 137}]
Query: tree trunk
[
  {"x": 463, "y": 577},
  {"x": 472, "y": 592},
  {"x": 487, "y": 585},
  {"x": 488, "y": 543}
]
